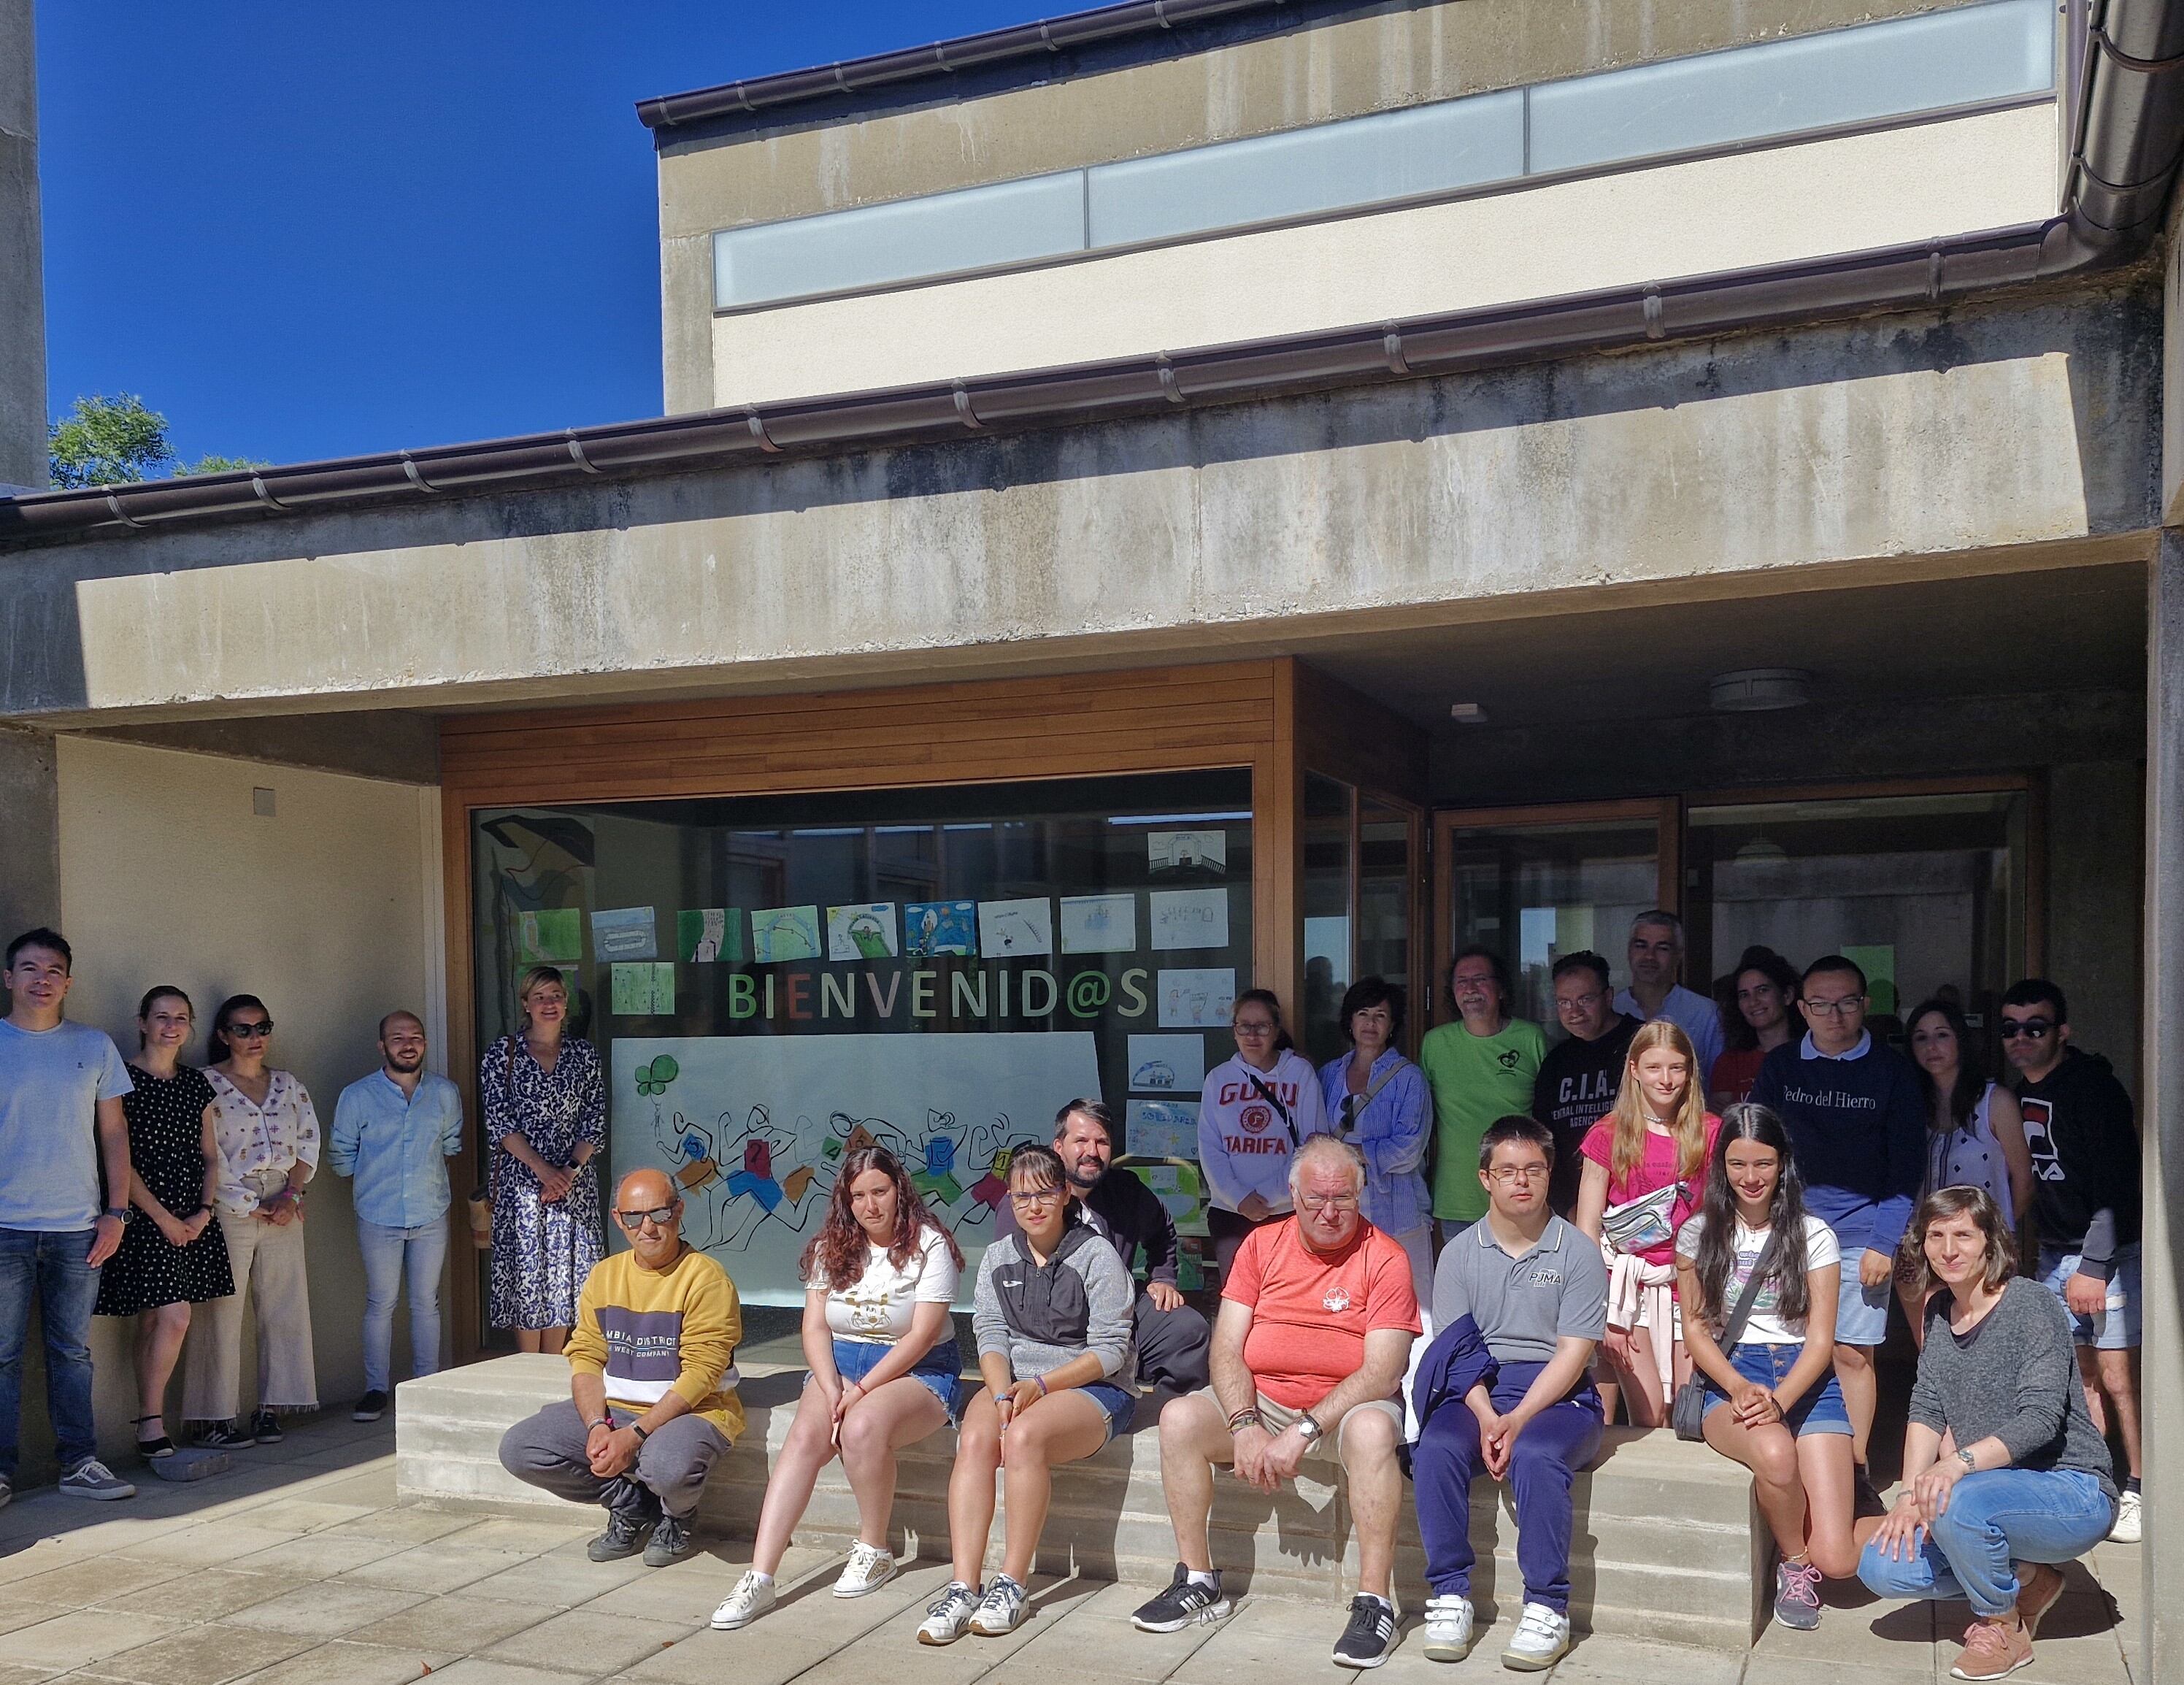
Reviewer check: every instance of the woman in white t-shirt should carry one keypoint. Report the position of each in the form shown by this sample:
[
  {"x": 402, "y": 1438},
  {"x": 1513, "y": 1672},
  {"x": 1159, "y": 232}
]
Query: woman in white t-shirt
[
  {"x": 878, "y": 1280},
  {"x": 1772, "y": 1403},
  {"x": 1254, "y": 1112}
]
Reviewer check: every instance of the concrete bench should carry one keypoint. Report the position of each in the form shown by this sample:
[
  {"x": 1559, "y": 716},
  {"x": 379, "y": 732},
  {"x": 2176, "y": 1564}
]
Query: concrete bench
[{"x": 1668, "y": 1546}]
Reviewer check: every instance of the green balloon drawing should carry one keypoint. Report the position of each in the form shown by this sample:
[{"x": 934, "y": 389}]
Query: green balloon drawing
[{"x": 653, "y": 1078}]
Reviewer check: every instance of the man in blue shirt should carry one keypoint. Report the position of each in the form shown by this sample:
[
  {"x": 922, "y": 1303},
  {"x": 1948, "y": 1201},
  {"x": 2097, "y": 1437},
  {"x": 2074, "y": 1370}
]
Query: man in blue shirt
[
  {"x": 394, "y": 1131},
  {"x": 1858, "y": 1122},
  {"x": 1656, "y": 961}
]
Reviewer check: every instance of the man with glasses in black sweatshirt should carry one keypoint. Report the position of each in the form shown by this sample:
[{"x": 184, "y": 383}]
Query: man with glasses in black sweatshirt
[{"x": 2084, "y": 1138}]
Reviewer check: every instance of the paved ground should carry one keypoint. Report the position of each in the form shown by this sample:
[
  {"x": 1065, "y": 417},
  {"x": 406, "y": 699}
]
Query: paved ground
[{"x": 297, "y": 1568}]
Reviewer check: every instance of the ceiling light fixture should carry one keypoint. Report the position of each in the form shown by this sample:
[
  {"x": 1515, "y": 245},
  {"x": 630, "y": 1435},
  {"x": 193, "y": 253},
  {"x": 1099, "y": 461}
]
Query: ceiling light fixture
[
  {"x": 1468, "y": 713},
  {"x": 1759, "y": 690}
]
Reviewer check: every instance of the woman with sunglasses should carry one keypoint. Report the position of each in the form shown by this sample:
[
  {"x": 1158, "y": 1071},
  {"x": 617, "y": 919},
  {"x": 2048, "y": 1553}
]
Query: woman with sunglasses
[
  {"x": 1052, "y": 1317},
  {"x": 545, "y": 1118},
  {"x": 1382, "y": 1107},
  {"x": 267, "y": 1133},
  {"x": 879, "y": 1277},
  {"x": 172, "y": 1254},
  {"x": 1252, "y": 1112}
]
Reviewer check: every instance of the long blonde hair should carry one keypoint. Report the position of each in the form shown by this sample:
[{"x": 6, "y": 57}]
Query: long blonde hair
[{"x": 1630, "y": 1114}]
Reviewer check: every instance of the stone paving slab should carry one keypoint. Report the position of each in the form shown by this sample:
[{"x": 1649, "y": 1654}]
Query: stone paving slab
[{"x": 298, "y": 1568}]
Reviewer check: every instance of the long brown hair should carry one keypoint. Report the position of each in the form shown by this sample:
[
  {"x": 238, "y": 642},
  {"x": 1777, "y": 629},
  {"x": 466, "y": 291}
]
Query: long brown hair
[
  {"x": 1999, "y": 1262},
  {"x": 836, "y": 1253},
  {"x": 1629, "y": 1118}
]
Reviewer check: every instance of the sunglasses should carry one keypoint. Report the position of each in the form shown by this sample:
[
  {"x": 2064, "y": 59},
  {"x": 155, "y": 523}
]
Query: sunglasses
[
  {"x": 248, "y": 1032},
  {"x": 2033, "y": 1029},
  {"x": 660, "y": 1217}
]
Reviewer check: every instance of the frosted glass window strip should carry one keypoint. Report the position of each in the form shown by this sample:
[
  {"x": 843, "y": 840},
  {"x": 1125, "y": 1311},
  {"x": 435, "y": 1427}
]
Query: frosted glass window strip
[
  {"x": 1851, "y": 75},
  {"x": 874, "y": 245},
  {"x": 1334, "y": 166}
]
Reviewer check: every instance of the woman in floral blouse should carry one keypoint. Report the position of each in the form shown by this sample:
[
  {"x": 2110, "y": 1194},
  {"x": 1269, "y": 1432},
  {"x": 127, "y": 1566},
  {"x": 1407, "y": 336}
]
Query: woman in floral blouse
[
  {"x": 545, "y": 1116},
  {"x": 268, "y": 1135}
]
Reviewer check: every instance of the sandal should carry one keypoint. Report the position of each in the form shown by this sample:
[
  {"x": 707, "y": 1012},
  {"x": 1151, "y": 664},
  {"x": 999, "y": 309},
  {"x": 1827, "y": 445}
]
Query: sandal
[{"x": 151, "y": 1450}]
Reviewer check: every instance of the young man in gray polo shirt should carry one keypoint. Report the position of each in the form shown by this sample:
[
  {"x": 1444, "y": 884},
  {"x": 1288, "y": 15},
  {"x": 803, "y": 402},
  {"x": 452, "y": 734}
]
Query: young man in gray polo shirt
[{"x": 1536, "y": 1291}]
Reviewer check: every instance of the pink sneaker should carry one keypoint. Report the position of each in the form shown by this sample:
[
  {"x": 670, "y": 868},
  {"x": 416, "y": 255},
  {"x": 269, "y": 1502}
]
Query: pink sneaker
[{"x": 1993, "y": 1651}]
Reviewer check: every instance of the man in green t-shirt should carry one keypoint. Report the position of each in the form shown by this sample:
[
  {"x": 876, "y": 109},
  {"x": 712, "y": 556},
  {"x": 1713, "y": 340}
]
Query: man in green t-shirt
[{"x": 1480, "y": 1068}]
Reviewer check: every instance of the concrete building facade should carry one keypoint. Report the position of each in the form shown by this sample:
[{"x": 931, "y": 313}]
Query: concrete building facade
[{"x": 1051, "y": 409}]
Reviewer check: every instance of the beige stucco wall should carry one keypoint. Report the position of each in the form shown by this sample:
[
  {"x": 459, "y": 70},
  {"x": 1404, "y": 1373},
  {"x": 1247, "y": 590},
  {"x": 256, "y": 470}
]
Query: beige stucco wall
[
  {"x": 1773, "y": 205},
  {"x": 329, "y": 911}
]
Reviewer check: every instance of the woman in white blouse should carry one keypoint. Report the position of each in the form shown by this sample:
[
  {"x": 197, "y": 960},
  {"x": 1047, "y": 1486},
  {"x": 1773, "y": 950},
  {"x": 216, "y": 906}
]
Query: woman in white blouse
[
  {"x": 879, "y": 1277},
  {"x": 267, "y": 1137}
]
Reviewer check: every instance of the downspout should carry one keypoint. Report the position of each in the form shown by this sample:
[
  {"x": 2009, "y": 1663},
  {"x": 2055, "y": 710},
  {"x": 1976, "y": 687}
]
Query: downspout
[{"x": 2127, "y": 133}]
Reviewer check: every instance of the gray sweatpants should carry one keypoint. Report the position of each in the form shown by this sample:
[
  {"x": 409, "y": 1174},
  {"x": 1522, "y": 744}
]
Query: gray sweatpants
[{"x": 547, "y": 1451}]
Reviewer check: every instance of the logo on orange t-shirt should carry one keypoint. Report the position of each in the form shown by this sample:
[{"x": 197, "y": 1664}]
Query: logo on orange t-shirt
[{"x": 1337, "y": 1299}]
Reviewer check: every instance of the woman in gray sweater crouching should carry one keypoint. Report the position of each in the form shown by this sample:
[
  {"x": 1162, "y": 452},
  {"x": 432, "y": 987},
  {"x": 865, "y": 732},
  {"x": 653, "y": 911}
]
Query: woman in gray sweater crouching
[{"x": 2004, "y": 1475}]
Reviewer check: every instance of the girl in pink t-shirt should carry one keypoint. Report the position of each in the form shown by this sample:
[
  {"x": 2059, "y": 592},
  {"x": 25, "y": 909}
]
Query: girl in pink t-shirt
[{"x": 1645, "y": 1173}]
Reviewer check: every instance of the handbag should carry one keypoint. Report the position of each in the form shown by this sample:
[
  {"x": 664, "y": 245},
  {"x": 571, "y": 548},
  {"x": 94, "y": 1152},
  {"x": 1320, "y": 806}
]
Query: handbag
[
  {"x": 1687, "y": 1410},
  {"x": 1638, "y": 1224}
]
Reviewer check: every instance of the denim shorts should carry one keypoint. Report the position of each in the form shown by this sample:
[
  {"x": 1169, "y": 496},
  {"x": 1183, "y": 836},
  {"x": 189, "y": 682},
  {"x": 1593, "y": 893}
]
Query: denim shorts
[
  {"x": 1861, "y": 1312},
  {"x": 1115, "y": 1402},
  {"x": 939, "y": 1369},
  {"x": 2116, "y": 1328},
  {"x": 1819, "y": 1411}
]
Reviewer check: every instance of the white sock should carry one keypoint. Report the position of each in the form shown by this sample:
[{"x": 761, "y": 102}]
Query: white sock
[
  {"x": 763, "y": 1579},
  {"x": 1209, "y": 1579},
  {"x": 1382, "y": 1601}
]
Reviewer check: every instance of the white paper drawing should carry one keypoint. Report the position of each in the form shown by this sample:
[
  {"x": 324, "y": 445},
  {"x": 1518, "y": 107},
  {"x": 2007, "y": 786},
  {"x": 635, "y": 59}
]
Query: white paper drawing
[
  {"x": 1099, "y": 924},
  {"x": 1167, "y": 1065},
  {"x": 1197, "y": 1000},
  {"x": 624, "y": 933},
  {"x": 754, "y": 1128},
  {"x": 784, "y": 932},
  {"x": 1172, "y": 850},
  {"x": 866, "y": 931},
  {"x": 1190, "y": 918},
  {"x": 1010, "y": 929},
  {"x": 1161, "y": 1128}
]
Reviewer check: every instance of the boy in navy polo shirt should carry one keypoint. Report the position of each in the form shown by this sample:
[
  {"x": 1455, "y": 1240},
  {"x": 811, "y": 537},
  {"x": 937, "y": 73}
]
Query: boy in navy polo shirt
[
  {"x": 1859, "y": 1125},
  {"x": 1537, "y": 1290}
]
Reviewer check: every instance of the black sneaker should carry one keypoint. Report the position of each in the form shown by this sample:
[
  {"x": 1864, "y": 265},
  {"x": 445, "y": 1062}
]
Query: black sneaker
[
  {"x": 265, "y": 1428},
  {"x": 623, "y": 1538},
  {"x": 369, "y": 1408},
  {"x": 671, "y": 1542},
  {"x": 1183, "y": 1603},
  {"x": 222, "y": 1437},
  {"x": 1370, "y": 1637}
]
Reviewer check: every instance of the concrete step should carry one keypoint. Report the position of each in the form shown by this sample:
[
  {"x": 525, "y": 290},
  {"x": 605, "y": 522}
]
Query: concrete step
[{"x": 1668, "y": 1546}]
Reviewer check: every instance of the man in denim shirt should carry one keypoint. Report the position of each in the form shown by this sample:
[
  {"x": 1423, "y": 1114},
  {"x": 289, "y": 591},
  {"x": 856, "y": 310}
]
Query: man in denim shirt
[{"x": 394, "y": 1131}]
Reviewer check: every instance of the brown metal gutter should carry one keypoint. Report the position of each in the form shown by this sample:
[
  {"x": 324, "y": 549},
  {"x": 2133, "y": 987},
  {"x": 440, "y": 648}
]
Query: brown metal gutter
[
  {"x": 2123, "y": 157},
  {"x": 993, "y": 48}
]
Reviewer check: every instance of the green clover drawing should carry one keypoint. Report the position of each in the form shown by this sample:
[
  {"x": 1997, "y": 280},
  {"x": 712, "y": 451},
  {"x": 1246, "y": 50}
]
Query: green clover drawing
[{"x": 653, "y": 1078}]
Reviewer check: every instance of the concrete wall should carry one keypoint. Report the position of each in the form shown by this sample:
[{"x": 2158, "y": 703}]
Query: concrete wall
[
  {"x": 1852, "y": 193},
  {"x": 329, "y": 911},
  {"x": 30, "y": 831},
  {"x": 22, "y": 277},
  {"x": 1900, "y": 446},
  {"x": 1308, "y": 65}
]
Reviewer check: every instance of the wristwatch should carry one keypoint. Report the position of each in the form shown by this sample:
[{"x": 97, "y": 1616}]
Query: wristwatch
[
  {"x": 1308, "y": 1425},
  {"x": 1970, "y": 1463},
  {"x": 119, "y": 1214}
]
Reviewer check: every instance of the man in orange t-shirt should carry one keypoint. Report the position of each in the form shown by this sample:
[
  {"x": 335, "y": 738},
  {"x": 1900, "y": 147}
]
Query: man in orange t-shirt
[{"x": 1317, "y": 1319}]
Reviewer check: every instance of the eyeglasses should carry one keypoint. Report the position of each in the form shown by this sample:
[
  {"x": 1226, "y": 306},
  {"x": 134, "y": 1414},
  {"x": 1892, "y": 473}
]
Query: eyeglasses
[
  {"x": 1032, "y": 1201},
  {"x": 1508, "y": 1174},
  {"x": 2033, "y": 1029},
  {"x": 1333, "y": 1201},
  {"x": 1841, "y": 1008},
  {"x": 660, "y": 1217},
  {"x": 248, "y": 1032},
  {"x": 1570, "y": 1003},
  {"x": 1253, "y": 1027}
]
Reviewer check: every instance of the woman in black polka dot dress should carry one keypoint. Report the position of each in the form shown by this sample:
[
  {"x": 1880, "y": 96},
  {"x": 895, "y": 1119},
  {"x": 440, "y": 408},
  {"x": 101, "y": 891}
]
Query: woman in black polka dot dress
[{"x": 172, "y": 1255}]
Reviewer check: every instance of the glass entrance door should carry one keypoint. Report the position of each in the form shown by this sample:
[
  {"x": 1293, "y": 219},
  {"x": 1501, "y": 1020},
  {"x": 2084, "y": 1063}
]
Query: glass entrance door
[{"x": 1536, "y": 883}]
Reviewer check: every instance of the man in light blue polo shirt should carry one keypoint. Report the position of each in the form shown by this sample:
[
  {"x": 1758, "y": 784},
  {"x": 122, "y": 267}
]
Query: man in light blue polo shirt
[
  {"x": 1656, "y": 961},
  {"x": 394, "y": 1131}
]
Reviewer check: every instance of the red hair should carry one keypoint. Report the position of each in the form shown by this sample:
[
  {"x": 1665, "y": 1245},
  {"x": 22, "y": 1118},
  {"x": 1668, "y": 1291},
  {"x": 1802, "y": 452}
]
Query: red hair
[{"x": 836, "y": 1254}]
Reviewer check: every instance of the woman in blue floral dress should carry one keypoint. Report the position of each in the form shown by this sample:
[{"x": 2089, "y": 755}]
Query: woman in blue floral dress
[{"x": 545, "y": 1118}]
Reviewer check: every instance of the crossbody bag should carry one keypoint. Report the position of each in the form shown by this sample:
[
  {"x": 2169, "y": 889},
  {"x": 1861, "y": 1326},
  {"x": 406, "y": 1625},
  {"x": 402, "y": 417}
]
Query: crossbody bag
[{"x": 1688, "y": 1412}]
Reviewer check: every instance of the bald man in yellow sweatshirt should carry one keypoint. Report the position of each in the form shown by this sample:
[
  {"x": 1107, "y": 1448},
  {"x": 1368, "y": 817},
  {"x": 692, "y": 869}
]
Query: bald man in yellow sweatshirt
[{"x": 652, "y": 1384}]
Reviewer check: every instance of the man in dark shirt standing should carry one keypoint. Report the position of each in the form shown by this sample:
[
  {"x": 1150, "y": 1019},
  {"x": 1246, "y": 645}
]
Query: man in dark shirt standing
[
  {"x": 1172, "y": 1340},
  {"x": 1582, "y": 1074},
  {"x": 2085, "y": 1199}
]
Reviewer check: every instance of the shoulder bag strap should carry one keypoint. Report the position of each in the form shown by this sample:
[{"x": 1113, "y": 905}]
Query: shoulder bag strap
[
  {"x": 1733, "y": 1330},
  {"x": 1274, "y": 1100}
]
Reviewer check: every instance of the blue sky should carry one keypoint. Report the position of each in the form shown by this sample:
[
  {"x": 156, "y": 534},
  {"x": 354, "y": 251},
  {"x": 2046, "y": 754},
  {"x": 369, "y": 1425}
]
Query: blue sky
[{"x": 321, "y": 227}]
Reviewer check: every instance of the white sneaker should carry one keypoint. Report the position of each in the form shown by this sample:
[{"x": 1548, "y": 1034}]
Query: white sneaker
[
  {"x": 1001, "y": 1610},
  {"x": 869, "y": 1569},
  {"x": 2127, "y": 1522},
  {"x": 1541, "y": 1639},
  {"x": 753, "y": 1596},
  {"x": 949, "y": 1613},
  {"x": 1448, "y": 1628}
]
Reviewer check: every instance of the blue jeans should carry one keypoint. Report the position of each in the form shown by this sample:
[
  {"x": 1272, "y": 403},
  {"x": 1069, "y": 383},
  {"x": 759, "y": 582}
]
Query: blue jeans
[
  {"x": 421, "y": 1253},
  {"x": 1995, "y": 1517},
  {"x": 51, "y": 1269}
]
